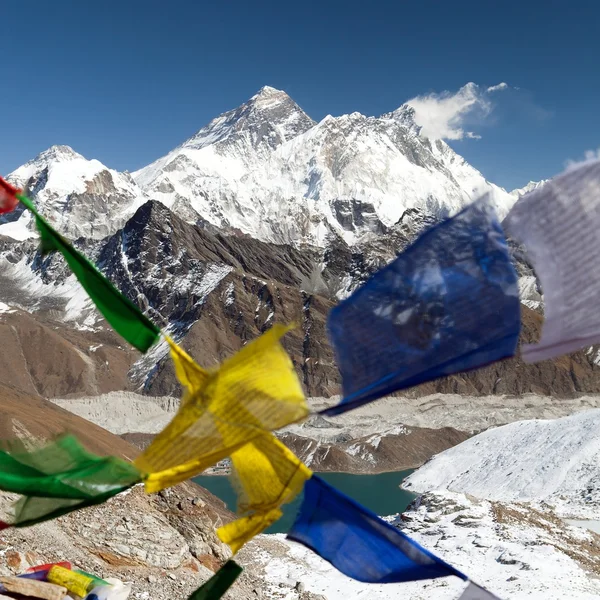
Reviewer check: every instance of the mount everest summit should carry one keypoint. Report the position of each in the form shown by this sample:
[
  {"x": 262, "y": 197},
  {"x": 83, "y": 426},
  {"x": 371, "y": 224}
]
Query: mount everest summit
[
  {"x": 261, "y": 216},
  {"x": 267, "y": 170}
]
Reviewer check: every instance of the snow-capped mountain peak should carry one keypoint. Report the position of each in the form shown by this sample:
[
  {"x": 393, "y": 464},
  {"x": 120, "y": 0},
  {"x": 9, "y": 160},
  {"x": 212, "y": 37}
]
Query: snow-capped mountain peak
[
  {"x": 268, "y": 170},
  {"x": 532, "y": 185},
  {"x": 56, "y": 153},
  {"x": 269, "y": 119},
  {"x": 83, "y": 198},
  {"x": 405, "y": 115}
]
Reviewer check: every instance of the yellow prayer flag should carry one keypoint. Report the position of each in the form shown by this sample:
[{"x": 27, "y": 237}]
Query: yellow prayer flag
[
  {"x": 76, "y": 583},
  {"x": 254, "y": 392},
  {"x": 266, "y": 475}
]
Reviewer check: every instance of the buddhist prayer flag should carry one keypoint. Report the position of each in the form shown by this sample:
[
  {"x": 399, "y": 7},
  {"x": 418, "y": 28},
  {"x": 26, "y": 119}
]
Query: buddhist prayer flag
[
  {"x": 124, "y": 316},
  {"x": 266, "y": 475},
  {"x": 254, "y": 392},
  {"x": 76, "y": 583},
  {"x": 358, "y": 543},
  {"x": 61, "y": 477},
  {"x": 8, "y": 197},
  {"x": 559, "y": 224},
  {"x": 216, "y": 587},
  {"x": 476, "y": 592},
  {"x": 449, "y": 303}
]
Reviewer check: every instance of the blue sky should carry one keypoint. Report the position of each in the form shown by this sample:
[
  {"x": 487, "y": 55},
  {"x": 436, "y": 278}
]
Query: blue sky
[{"x": 125, "y": 82}]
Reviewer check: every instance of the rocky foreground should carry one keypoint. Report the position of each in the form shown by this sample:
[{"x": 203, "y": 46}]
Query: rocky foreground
[
  {"x": 164, "y": 544},
  {"x": 516, "y": 552}
]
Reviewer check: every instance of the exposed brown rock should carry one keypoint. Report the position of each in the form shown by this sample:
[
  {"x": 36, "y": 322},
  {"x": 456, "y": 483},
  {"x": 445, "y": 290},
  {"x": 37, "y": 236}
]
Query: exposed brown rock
[
  {"x": 33, "y": 418},
  {"x": 50, "y": 358},
  {"x": 375, "y": 454},
  {"x": 563, "y": 377}
]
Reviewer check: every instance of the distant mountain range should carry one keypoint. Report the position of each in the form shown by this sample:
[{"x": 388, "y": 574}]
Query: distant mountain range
[
  {"x": 262, "y": 216},
  {"x": 266, "y": 169}
]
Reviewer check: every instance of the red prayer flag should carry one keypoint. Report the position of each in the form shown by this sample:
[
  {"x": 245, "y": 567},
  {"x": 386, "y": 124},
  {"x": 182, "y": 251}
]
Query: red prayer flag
[
  {"x": 64, "y": 565},
  {"x": 8, "y": 199}
]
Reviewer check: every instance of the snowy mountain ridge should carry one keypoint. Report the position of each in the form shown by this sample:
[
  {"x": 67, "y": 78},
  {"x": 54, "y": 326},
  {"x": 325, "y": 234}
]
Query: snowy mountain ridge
[
  {"x": 554, "y": 462},
  {"x": 267, "y": 170},
  {"x": 532, "y": 185},
  {"x": 81, "y": 197}
]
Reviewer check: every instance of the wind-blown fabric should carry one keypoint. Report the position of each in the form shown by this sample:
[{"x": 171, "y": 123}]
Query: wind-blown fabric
[
  {"x": 358, "y": 543},
  {"x": 266, "y": 475},
  {"x": 61, "y": 477},
  {"x": 8, "y": 197},
  {"x": 559, "y": 224},
  {"x": 216, "y": 587},
  {"x": 124, "y": 316},
  {"x": 253, "y": 392},
  {"x": 449, "y": 303},
  {"x": 76, "y": 583},
  {"x": 476, "y": 592}
]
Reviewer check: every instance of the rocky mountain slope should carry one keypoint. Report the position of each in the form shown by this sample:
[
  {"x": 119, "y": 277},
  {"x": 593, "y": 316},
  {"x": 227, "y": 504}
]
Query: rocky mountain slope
[
  {"x": 216, "y": 292},
  {"x": 189, "y": 238},
  {"x": 341, "y": 444}
]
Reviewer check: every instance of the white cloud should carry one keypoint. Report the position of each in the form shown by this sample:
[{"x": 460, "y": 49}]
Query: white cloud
[
  {"x": 499, "y": 87},
  {"x": 444, "y": 115}
]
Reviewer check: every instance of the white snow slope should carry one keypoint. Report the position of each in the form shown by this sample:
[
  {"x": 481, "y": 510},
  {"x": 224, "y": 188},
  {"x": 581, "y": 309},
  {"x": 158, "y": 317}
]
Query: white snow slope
[
  {"x": 80, "y": 197},
  {"x": 505, "y": 529},
  {"x": 556, "y": 462},
  {"x": 267, "y": 169},
  {"x": 516, "y": 553}
]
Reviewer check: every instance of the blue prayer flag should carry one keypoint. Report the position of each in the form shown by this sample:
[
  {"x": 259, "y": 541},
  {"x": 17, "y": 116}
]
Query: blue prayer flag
[
  {"x": 358, "y": 543},
  {"x": 449, "y": 303}
]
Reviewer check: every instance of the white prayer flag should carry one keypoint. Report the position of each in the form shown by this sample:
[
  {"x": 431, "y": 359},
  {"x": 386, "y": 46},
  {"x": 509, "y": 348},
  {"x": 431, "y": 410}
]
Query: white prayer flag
[
  {"x": 559, "y": 224},
  {"x": 476, "y": 592}
]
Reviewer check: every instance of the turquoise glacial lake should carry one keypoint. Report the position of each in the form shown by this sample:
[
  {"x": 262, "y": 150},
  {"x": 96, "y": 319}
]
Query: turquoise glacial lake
[{"x": 380, "y": 493}]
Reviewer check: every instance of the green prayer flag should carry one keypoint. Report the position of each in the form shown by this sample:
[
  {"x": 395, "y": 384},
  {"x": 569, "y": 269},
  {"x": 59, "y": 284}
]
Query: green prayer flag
[
  {"x": 219, "y": 583},
  {"x": 122, "y": 314},
  {"x": 61, "y": 477}
]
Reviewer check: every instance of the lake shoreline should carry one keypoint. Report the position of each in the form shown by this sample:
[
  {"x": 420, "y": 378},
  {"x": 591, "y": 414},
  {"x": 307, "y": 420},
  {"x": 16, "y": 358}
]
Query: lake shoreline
[
  {"x": 381, "y": 493},
  {"x": 227, "y": 472}
]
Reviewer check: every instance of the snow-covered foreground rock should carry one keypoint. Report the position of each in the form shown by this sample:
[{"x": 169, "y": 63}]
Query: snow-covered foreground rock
[
  {"x": 512, "y": 550},
  {"x": 496, "y": 508},
  {"x": 556, "y": 462}
]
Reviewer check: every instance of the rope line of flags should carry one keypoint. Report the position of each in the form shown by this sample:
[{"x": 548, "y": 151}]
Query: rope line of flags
[{"x": 448, "y": 304}]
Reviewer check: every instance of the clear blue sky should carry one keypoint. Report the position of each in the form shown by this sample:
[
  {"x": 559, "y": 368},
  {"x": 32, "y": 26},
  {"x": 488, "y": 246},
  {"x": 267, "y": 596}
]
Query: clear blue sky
[{"x": 126, "y": 81}]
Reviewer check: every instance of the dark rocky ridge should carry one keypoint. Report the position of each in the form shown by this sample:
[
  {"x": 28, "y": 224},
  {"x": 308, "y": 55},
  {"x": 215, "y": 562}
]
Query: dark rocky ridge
[{"x": 218, "y": 292}]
